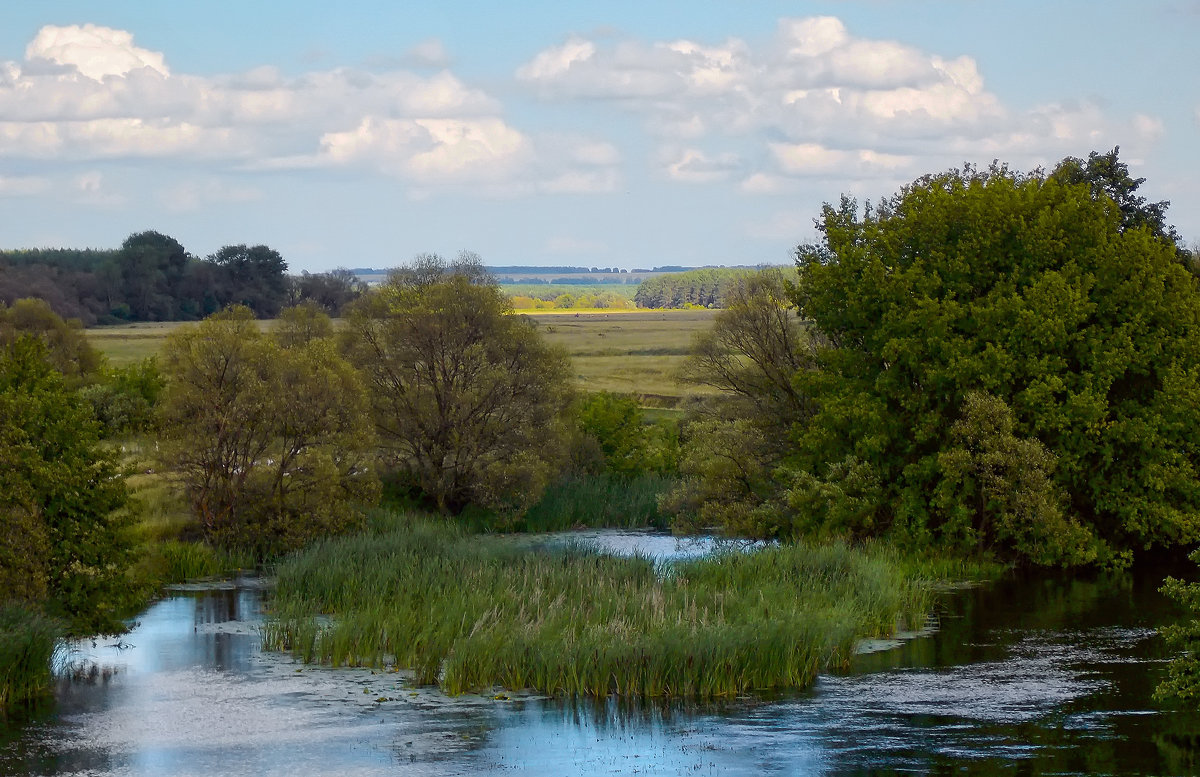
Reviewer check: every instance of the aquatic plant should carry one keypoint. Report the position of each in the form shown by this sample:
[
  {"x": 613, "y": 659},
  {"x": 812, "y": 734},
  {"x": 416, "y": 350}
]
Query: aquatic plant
[
  {"x": 28, "y": 641},
  {"x": 595, "y": 501},
  {"x": 469, "y": 612}
]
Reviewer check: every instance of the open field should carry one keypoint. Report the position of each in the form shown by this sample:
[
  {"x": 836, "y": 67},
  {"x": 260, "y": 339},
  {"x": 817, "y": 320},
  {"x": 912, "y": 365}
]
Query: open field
[{"x": 634, "y": 352}]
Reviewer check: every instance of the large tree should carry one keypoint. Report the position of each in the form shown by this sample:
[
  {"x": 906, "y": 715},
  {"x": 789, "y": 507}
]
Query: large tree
[
  {"x": 994, "y": 334},
  {"x": 468, "y": 400},
  {"x": 271, "y": 440},
  {"x": 62, "y": 496}
]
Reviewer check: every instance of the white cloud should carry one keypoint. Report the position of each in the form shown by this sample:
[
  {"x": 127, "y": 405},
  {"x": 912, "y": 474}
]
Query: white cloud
[
  {"x": 90, "y": 189},
  {"x": 194, "y": 194},
  {"x": 93, "y": 51},
  {"x": 812, "y": 159},
  {"x": 428, "y": 53},
  {"x": 694, "y": 166},
  {"x": 762, "y": 183},
  {"x": 1147, "y": 128},
  {"x": 429, "y": 150},
  {"x": 89, "y": 92},
  {"x": 22, "y": 185},
  {"x": 817, "y": 100},
  {"x": 555, "y": 62},
  {"x": 782, "y": 225}
]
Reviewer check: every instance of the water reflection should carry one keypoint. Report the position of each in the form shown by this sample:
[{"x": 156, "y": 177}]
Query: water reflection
[{"x": 1026, "y": 677}]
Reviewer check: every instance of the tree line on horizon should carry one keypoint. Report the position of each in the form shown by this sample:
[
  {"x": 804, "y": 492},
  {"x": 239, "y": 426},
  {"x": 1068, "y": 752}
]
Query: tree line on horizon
[{"x": 152, "y": 277}]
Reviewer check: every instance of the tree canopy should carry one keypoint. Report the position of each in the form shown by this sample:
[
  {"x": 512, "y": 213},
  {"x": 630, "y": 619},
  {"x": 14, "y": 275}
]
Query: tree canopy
[
  {"x": 271, "y": 439},
  {"x": 468, "y": 401},
  {"x": 991, "y": 334},
  {"x": 62, "y": 496}
]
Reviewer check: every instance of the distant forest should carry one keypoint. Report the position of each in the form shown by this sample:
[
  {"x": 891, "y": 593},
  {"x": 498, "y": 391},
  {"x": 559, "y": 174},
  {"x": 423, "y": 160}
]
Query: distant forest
[
  {"x": 705, "y": 288},
  {"x": 151, "y": 277}
]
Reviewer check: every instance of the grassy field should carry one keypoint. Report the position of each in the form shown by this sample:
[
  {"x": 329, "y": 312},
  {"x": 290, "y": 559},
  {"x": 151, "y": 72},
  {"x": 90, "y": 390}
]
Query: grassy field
[{"x": 632, "y": 352}]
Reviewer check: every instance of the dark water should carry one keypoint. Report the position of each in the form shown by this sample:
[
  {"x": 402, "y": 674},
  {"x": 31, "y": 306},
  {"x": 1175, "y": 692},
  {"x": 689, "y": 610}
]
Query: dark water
[{"x": 1023, "y": 677}]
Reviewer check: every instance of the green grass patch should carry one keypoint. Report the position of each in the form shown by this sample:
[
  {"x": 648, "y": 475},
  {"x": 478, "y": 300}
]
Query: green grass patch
[
  {"x": 598, "y": 501},
  {"x": 471, "y": 612},
  {"x": 28, "y": 643}
]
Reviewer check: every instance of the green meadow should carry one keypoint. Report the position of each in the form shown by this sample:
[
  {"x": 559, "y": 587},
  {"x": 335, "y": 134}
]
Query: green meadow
[{"x": 630, "y": 352}]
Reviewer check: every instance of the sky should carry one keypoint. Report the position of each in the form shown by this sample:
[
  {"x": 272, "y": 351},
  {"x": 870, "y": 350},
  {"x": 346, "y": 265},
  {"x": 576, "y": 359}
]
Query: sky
[{"x": 598, "y": 134}]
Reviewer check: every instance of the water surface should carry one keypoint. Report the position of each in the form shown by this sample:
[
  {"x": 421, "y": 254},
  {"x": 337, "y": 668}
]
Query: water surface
[{"x": 1023, "y": 677}]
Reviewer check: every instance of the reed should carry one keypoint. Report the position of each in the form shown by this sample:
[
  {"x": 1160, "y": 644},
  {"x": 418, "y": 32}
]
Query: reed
[
  {"x": 596, "y": 501},
  {"x": 469, "y": 612},
  {"x": 28, "y": 642}
]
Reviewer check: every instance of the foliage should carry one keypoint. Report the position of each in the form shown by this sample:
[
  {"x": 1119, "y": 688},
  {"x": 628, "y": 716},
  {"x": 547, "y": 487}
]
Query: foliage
[
  {"x": 1106, "y": 175},
  {"x": 123, "y": 399},
  {"x": 471, "y": 612},
  {"x": 301, "y": 324},
  {"x": 66, "y": 343},
  {"x": 28, "y": 641},
  {"x": 271, "y": 445},
  {"x": 627, "y": 443},
  {"x": 727, "y": 481},
  {"x": 468, "y": 401},
  {"x": 152, "y": 277},
  {"x": 1028, "y": 289},
  {"x": 62, "y": 495},
  {"x": 330, "y": 291},
  {"x": 1183, "y": 675},
  {"x": 704, "y": 288},
  {"x": 598, "y": 501},
  {"x": 255, "y": 276},
  {"x": 734, "y": 444}
]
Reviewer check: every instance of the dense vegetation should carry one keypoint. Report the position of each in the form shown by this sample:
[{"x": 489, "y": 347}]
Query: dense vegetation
[
  {"x": 705, "y": 288},
  {"x": 989, "y": 365},
  {"x": 151, "y": 277},
  {"x": 470, "y": 612},
  {"x": 468, "y": 402}
]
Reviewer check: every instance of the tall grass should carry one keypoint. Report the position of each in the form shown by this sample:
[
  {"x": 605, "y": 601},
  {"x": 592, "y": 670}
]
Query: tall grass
[
  {"x": 599, "y": 501},
  {"x": 472, "y": 612},
  {"x": 28, "y": 641}
]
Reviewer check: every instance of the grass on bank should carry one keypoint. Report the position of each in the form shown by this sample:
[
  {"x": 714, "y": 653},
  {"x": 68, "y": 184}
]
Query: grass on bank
[
  {"x": 28, "y": 641},
  {"x": 471, "y": 612}
]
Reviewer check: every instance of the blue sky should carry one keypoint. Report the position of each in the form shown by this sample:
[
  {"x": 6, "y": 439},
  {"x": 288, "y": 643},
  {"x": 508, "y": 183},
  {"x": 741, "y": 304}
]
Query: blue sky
[{"x": 625, "y": 134}]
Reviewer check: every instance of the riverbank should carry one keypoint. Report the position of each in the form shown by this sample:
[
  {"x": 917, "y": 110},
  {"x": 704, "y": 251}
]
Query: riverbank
[{"x": 473, "y": 612}]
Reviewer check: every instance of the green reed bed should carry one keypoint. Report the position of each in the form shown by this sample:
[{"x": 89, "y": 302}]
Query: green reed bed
[
  {"x": 471, "y": 612},
  {"x": 603, "y": 500},
  {"x": 28, "y": 641}
]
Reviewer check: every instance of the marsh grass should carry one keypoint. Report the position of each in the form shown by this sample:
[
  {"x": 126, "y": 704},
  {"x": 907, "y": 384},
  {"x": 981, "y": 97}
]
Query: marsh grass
[
  {"x": 598, "y": 501},
  {"x": 470, "y": 612},
  {"x": 28, "y": 643}
]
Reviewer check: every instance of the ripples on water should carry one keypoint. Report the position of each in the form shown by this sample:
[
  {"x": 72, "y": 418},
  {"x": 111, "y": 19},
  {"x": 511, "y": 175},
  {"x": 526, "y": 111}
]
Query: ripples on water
[{"x": 1024, "y": 677}]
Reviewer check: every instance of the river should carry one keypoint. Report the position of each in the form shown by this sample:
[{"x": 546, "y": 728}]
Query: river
[{"x": 1031, "y": 676}]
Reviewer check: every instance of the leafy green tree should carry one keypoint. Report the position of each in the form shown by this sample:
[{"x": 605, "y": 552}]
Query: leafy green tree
[
  {"x": 628, "y": 444},
  {"x": 254, "y": 276},
  {"x": 67, "y": 345},
  {"x": 272, "y": 445},
  {"x": 1031, "y": 290},
  {"x": 1183, "y": 675},
  {"x": 62, "y": 494},
  {"x": 1106, "y": 175},
  {"x": 734, "y": 444},
  {"x": 468, "y": 401},
  {"x": 301, "y": 324},
  {"x": 152, "y": 268}
]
